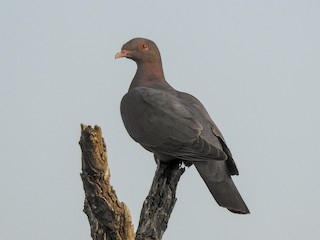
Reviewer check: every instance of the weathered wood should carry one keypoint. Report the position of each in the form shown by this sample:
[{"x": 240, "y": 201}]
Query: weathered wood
[
  {"x": 108, "y": 217},
  {"x": 160, "y": 201}
]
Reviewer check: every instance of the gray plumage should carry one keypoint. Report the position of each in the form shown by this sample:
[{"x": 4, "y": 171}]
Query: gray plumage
[{"x": 175, "y": 125}]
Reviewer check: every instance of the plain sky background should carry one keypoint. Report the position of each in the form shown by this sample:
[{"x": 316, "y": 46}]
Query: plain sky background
[{"x": 254, "y": 64}]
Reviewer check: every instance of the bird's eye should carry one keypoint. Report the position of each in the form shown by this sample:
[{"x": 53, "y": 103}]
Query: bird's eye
[{"x": 144, "y": 46}]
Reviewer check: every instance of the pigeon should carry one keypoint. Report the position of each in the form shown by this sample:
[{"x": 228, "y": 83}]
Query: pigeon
[{"x": 174, "y": 125}]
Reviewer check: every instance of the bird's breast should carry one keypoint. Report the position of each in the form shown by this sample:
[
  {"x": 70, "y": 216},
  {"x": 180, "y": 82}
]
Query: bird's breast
[{"x": 140, "y": 119}]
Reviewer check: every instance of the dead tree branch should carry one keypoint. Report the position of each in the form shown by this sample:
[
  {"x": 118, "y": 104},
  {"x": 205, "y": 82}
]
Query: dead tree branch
[
  {"x": 109, "y": 218},
  {"x": 160, "y": 202}
]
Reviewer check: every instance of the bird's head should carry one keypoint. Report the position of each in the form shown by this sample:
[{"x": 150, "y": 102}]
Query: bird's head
[{"x": 140, "y": 50}]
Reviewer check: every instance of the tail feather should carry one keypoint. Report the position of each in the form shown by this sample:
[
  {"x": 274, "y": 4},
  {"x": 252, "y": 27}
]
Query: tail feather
[{"x": 217, "y": 178}]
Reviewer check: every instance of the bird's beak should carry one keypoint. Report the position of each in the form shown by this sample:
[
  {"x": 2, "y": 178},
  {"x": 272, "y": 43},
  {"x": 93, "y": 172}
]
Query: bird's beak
[{"x": 123, "y": 53}]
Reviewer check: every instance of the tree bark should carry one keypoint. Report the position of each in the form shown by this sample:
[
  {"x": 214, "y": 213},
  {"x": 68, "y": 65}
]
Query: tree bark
[
  {"x": 109, "y": 218},
  {"x": 160, "y": 201}
]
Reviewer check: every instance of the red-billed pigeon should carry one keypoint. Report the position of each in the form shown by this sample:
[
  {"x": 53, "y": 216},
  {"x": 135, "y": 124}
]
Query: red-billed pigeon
[{"x": 175, "y": 125}]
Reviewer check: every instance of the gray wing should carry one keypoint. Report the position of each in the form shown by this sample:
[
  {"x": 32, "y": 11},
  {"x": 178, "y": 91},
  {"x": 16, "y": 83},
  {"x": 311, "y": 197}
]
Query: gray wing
[
  {"x": 165, "y": 125},
  {"x": 212, "y": 133},
  {"x": 216, "y": 174}
]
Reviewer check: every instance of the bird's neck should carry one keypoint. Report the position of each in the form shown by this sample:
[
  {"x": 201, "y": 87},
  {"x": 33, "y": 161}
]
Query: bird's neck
[{"x": 148, "y": 75}]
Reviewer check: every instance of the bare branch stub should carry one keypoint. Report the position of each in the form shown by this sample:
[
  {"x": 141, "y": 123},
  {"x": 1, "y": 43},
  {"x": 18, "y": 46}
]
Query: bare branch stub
[
  {"x": 160, "y": 201},
  {"x": 108, "y": 217}
]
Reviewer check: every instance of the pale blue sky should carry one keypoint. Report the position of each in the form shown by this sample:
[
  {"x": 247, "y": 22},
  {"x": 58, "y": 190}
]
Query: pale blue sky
[{"x": 254, "y": 64}]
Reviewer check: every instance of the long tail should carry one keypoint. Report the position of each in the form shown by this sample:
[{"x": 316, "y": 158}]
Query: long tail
[{"x": 216, "y": 176}]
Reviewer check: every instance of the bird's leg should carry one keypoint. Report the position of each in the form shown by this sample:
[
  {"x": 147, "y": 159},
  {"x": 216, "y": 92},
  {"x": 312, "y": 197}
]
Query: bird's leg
[
  {"x": 156, "y": 159},
  {"x": 187, "y": 163}
]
